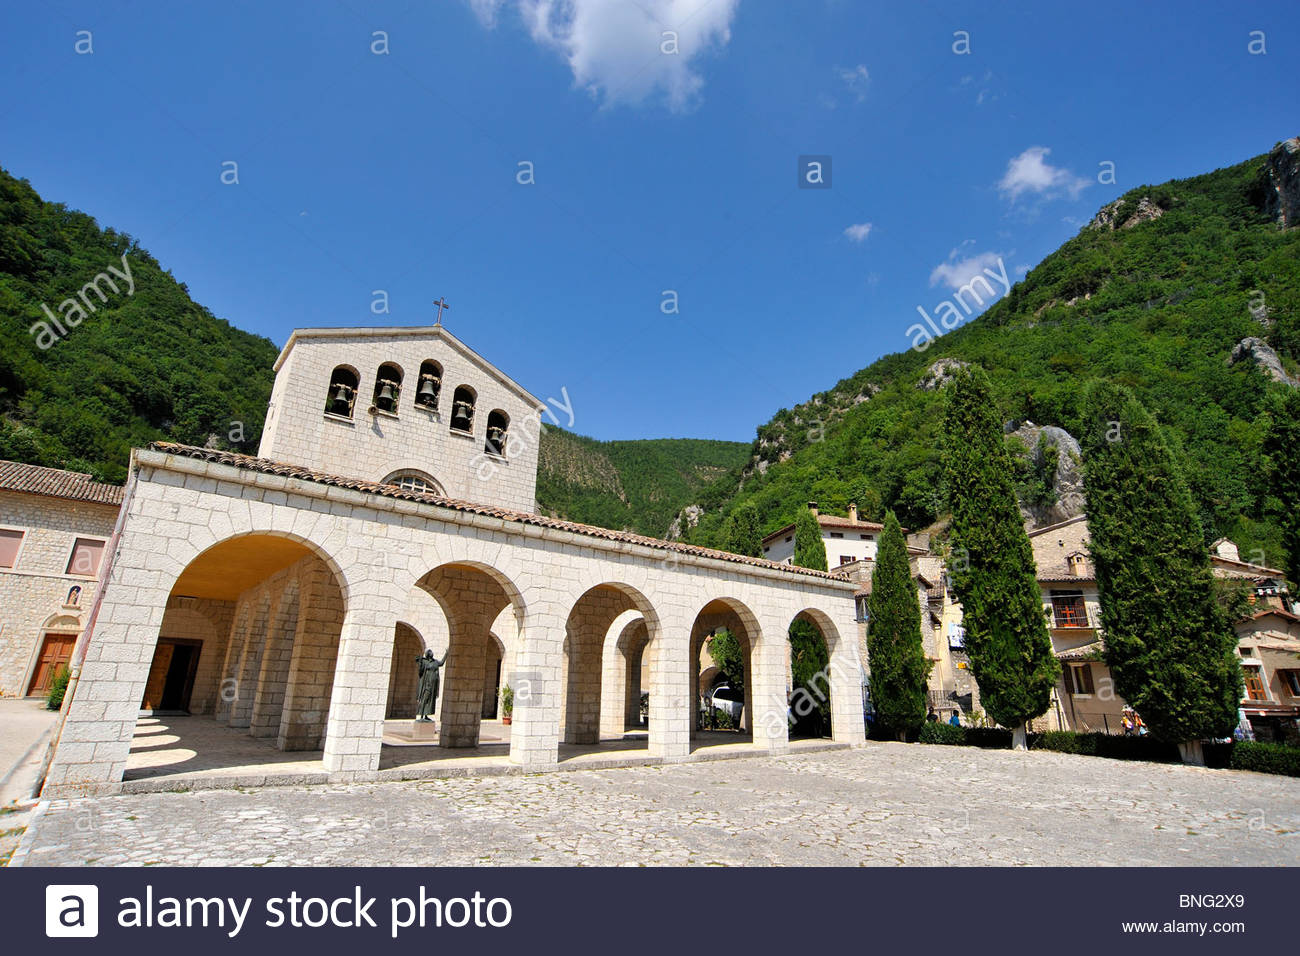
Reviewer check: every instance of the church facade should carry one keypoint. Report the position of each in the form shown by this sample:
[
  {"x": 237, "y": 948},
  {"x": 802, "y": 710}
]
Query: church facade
[{"x": 390, "y": 511}]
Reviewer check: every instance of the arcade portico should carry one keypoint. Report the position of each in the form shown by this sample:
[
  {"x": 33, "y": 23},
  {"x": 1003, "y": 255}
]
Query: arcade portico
[{"x": 301, "y": 589}]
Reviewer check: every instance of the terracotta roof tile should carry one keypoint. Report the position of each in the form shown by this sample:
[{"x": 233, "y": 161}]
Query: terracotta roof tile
[
  {"x": 268, "y": 467},
  {"x": 55, "y": 483}
]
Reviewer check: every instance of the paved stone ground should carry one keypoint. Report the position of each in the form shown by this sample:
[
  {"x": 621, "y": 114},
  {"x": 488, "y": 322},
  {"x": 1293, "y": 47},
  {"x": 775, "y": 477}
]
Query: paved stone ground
[
  {"x": 886, "y": 804},
  {"x": 24, "y": 731}
]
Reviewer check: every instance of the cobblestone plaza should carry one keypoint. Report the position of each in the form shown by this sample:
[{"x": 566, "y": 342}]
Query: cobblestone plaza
[{"x": 884, "y": 804}]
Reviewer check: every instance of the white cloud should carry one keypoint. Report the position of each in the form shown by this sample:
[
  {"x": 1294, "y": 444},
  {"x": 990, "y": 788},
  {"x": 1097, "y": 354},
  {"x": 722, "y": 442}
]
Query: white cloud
[
  {"x": 625, "y": 52},
  {"x": 857, "y": 79},
  {"x": 1031, "y": 173},
  {"x": 859, "y": 231},
  {"x": 958, "y": 270}
]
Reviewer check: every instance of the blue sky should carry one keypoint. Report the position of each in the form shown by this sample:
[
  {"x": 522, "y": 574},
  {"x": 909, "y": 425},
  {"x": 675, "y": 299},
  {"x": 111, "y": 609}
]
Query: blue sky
[{"x": 361, "y": 170}]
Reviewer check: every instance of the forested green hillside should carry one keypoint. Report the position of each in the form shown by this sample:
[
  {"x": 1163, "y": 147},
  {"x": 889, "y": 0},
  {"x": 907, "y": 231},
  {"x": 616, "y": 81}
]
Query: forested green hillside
[
  {"x": 1152, "y": 295},
  {"x": 147, "y": 363},
  {"x": 638, "y": 485}
]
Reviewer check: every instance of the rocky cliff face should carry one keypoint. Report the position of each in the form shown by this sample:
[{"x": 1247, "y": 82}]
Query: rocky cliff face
[
  {"x": 1283, "y": 172},
  {"x": 1261, "y": 354},
  {"x": 1054, "y": 454},
  {"x": 1125, "y": 214}
]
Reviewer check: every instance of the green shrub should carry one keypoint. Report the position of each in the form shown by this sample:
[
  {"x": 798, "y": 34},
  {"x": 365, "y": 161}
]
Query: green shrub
[
  {"x": 1061, "y": 741},
  {"x": 1106, "y": 745},
  {"x": 1266, "y": 758},
  {"x": 938, "y": 733},
  {"x": 58, "y": 687},
  {"x": 990, "y": 738}
]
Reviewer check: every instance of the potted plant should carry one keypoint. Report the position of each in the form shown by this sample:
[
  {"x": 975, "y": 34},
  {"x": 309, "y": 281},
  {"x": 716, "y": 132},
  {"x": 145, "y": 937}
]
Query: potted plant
[{"x": 507, "y": 704}]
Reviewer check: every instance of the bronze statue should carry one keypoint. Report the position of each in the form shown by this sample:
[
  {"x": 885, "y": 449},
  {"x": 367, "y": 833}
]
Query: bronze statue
[{"x": 427, "y": 701}]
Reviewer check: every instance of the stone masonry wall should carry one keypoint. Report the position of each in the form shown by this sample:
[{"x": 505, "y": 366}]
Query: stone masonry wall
[
  {"x": 374, "y": 445},
  {"x": 36, "y": 589}
]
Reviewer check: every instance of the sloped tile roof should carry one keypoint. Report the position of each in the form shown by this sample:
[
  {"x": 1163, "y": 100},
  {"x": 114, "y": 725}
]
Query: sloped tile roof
[
  {"x": 55, "y": 483},
  {"x": 282, "y": 469}
]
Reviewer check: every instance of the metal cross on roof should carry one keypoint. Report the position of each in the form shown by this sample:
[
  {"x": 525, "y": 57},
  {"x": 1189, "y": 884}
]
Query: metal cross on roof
[{"x": 441, "y": 303}]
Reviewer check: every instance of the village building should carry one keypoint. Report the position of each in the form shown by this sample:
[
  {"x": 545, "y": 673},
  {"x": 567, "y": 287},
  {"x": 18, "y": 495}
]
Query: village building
[
  {"x": 53, "y": 529},
  {"x": 847, "y": 540},
  {"x": 950, "y": 687},
  {"x": 280, "y": 601},
  {"x": 1084, "y": 699},
  {"x": 1268, "y": 640}
]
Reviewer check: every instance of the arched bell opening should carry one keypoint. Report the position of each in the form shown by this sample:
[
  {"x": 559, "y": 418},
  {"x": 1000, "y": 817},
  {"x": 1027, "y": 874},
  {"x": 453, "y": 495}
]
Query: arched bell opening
[
  {"x": 429, "y": 388},
  {"x": 498, "y": 425},
  {"x": 388, "y": 388},
  {"x": 342, "y": 393},
  {"x": 462, "y": 408}
]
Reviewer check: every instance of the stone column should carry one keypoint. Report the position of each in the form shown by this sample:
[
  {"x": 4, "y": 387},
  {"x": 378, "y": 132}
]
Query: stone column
[
  {"x": 229, "y": 680},
  {"x": 539, "y": 689},
  {"x": 312, "y": 664},
  {"x": 462, "y": 679},
  {"x": 769, "y": 659},
  {"x": 847, "y": 722},
  {"x": 672, "y": 681},
  {"x": 268, "y": 706},
  {"x": 354, "y": 733},
  {"x": 104, "y": 700},
  {"x": 250, "y": 665},
  {"x": 613, "y": 684}
]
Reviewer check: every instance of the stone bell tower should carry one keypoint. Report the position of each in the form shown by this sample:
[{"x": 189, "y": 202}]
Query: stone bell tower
[{"x": 414, "y": 407}]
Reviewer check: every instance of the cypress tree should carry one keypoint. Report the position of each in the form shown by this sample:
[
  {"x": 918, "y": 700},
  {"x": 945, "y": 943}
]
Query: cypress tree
[
  {"x": 993, "y": 573},
  {"x": 743, "y": 534},
  {"x": 898, "y": 665},
  {"x": 809, "y": 549},
  {"x": 1170, "y": 647},
  {"x": 1282, "y": 446}
]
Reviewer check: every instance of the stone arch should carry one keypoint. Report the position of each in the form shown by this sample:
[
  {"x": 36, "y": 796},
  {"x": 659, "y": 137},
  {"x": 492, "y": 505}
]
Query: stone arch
[
  {"x": 815, "y": 683},
  {"x": 472, "y": 595},
  {"x": 287, "y": 597},
  {"x": 733, "y": 615},
  {"x": 493, "y": 676},
  {"x": 588, "y": 625},
  {"x": 625, "y": 661},
  {"x": 403, "y": 677},
  {"x": 341, "y": 395}
]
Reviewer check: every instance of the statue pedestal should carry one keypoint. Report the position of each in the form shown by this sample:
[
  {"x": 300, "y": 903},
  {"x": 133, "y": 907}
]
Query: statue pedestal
[{"x": 424, "y": 730}]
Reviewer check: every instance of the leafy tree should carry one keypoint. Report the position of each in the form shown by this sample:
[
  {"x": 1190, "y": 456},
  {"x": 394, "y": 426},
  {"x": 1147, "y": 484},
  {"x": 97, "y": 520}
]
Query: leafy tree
[
  {"x": 745, "y": 537},
  {"x": 1169, "y": 644},
  {"x": 809, "y": 660},
  {"x": 809, "y": 549},
  {"x": 1282, "y": 445},
  {"x": 994, "y": 574},
  {"x": 809, "y": 656},
  {"x": 898, "y": 665},
  {"x": 729, "y": 658}
]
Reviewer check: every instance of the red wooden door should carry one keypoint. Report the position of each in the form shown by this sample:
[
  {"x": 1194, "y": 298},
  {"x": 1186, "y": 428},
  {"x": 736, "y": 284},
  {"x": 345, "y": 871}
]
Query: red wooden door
[{"x": 56, "y": 651}]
